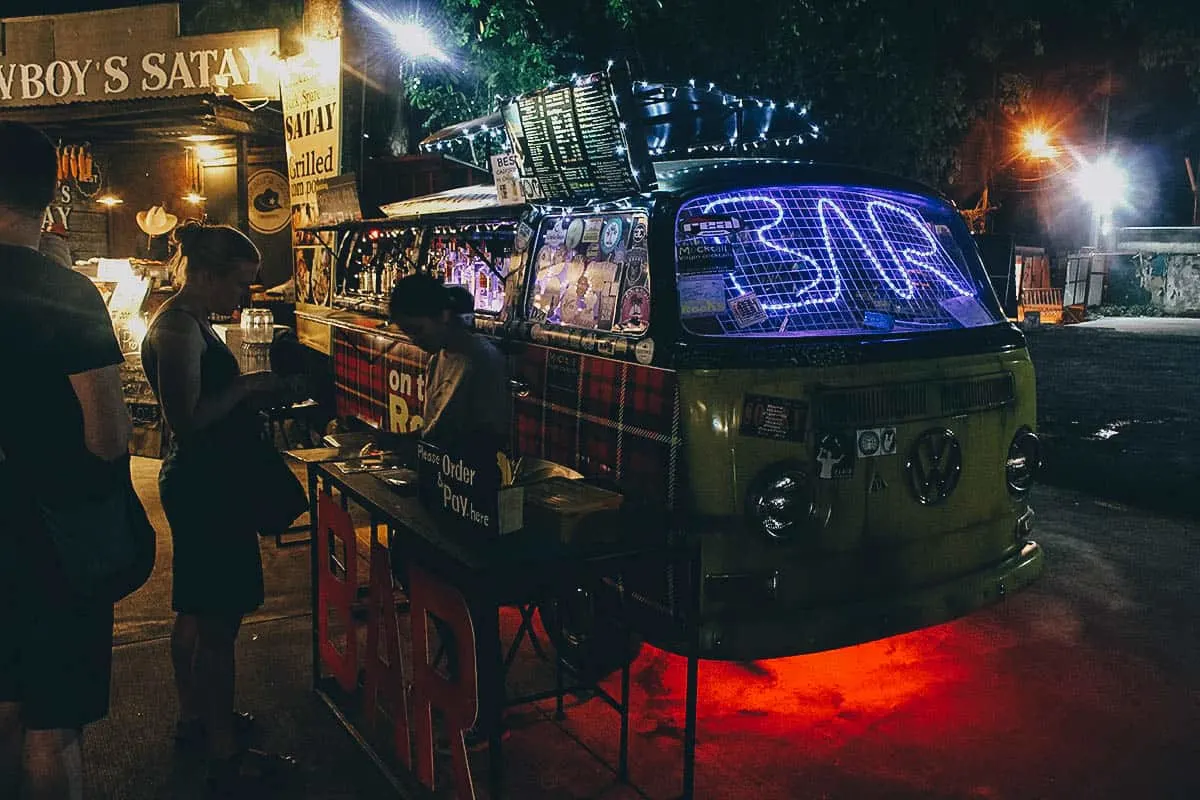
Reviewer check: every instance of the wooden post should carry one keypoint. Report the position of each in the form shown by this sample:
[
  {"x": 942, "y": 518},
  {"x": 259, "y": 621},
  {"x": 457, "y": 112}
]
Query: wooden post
[
  {"x": 1187, "y": 161},
  {"x": 243, "y": 190}
]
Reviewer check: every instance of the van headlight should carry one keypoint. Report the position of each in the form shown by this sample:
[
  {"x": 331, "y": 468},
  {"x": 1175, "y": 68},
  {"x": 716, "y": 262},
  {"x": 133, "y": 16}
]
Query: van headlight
[
  {"x": 1023, "y": 462},
  {"x": 780, "y": 503}
]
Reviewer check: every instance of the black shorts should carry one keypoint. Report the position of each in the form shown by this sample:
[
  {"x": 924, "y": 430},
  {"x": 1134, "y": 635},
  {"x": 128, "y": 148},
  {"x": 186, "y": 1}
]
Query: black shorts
[{"x": 55, "y": 650}]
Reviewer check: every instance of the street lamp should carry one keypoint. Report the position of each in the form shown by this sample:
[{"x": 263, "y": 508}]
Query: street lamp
[
  {"x": 1036, "y": 144},
  {"x": 1103, "y": 185},
  {"x": 411, "y": 37},
  {"x": 415, "y": 43}
]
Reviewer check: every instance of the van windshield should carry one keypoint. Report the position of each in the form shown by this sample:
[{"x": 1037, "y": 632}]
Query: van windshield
[{"x": 826, "y": 260}]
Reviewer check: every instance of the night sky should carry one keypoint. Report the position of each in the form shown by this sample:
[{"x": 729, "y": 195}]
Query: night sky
[{"x": 1154, "y": 118}]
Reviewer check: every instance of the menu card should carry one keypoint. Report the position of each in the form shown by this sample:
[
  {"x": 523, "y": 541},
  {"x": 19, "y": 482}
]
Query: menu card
[{"x": 571, "y": 145}]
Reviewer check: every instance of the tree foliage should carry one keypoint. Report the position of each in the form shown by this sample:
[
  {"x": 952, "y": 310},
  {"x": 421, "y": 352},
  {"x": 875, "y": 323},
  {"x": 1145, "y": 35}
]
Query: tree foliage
[
  {"x": 215, "y": 16},
  {"x": 896, "y": 86},
  {"x": 498, "y": 50}
]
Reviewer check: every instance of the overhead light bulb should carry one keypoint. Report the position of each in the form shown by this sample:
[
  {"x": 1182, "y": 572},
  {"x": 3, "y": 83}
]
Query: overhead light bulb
[{"x": 207, "y": 152}]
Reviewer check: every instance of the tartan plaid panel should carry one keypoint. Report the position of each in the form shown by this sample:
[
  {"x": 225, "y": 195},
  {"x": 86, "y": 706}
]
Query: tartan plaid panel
[
  {"x": 601, "y": 389},
  {"x": 645, "y": 469},
  {"x": 650, "y": 399},
  {"x": 361, "y": 362},
  {"x": 563, "y": 371},
  {"x": 531, "y": 367},
  {"x": 574, "y": 416},
  {"x": 527, "y": 438},
  {"x": 359, "y": 376},
  {"x": 527, "y": 427},
  {"x": 560, "y": 434},
  {"x": 599, "y": 445}
]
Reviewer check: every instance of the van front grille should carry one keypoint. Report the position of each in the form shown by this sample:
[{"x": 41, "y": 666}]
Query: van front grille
[
  {"x": 901, "y": 402},
  {"x": 847, "y": 409},
  {"x": 976, "y": 394}
]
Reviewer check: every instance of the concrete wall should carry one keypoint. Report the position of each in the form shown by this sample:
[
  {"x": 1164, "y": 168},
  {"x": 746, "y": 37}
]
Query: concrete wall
[
  {"x": 1168, "y": 264},
  {"x": 1181, "y": 284}
]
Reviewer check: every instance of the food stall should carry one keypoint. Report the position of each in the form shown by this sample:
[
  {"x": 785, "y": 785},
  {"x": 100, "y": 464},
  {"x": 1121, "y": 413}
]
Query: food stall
[
  {"x": 152, "y": 128},
  {"x": 133, "y": 289},
  {"x": 781, "y": 371}
]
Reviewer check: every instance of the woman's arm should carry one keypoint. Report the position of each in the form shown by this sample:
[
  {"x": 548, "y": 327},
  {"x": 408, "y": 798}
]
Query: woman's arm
[{"x": 179, "y": 345}]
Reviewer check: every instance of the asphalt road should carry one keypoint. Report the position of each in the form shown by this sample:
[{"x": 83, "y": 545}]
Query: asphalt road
[
  {"x": 1085, "y": 685},
  {"x": 1119, "y": 409}
]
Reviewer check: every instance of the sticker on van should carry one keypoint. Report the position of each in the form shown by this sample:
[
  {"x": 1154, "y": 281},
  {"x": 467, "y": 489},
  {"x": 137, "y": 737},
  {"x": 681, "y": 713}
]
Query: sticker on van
[
  {"x": 747, "y": 310},
  {"x": 878, "y": 321},
  {"x": 835, "y": 456},
  {"x": 779, "y": 418},
  {"x": 701, "y": 295},
  {"x": 710, "y": 225},
  {"x": 872, "y": 442},
  {"x": 701, "y": 256}
]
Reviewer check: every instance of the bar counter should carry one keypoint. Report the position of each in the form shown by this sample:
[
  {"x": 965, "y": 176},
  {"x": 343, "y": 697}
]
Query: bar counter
[{"x": 440, "y": 569}]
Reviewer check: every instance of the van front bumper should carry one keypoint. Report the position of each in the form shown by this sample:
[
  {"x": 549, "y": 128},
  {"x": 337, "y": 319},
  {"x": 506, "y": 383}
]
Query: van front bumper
[{"x": 777, "y": 632}]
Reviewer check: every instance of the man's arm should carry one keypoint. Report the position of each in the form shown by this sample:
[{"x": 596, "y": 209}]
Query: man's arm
[
  {"x": 107, "y": 426},
  {"x": 87, "y": 351}
]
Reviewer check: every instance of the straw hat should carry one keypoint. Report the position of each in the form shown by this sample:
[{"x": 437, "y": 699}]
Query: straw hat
[{"x": 155, "y": 221}]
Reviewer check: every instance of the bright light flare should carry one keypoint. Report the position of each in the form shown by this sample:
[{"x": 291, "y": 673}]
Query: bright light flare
[
  {"x": 1103, "y": 184},
  {"x": 1036, "y": 144},
  {"x": 207, "y": 152},
  {"x": 321, "y": 60},
  {"x": 413, "y": 39},
  {"x": 137, "y": 327}
]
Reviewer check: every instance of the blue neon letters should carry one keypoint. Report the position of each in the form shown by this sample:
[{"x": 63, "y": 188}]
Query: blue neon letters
[{"x": 832, "y": 253}]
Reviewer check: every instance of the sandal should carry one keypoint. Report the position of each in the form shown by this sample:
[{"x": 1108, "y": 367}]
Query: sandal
[
  {"x": 249, "y": 773},
  {"x": 193, "y": 733}
]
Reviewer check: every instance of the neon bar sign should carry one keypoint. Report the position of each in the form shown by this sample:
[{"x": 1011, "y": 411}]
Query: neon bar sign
[{"x": 806, "y": 247}]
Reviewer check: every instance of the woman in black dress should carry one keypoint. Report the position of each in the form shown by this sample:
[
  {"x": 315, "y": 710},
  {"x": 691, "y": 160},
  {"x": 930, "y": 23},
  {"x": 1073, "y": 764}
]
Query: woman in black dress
[{"x": 210, "y": 408}]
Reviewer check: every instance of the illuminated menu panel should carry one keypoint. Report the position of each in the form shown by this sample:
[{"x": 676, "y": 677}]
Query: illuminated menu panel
[{"x": 570, "y": 144}]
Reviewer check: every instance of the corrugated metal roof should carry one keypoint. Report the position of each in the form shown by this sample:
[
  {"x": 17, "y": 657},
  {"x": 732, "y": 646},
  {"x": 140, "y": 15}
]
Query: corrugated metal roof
[{"x": 465, "y": 198}]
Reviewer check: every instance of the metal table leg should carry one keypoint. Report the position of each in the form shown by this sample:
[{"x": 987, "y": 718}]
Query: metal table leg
[
  {"x": 623, "y": 754},
  {"x": 689, "y": 727},
  {"x": 493, "y": 696},
  {"x": 314, "y": 564},
  {"x": 693, "y": 679}
]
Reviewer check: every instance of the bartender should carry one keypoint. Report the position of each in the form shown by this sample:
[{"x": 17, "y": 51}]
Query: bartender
[{"x": 467, "y": 393}]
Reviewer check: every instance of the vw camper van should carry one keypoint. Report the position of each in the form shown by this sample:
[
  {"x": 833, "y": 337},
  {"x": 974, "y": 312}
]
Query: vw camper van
[{"x": 801, "y": 371}]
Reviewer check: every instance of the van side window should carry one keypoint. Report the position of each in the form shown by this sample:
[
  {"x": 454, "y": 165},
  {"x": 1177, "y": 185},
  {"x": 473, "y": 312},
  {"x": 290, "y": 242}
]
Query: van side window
[
  {"x": 591, "y": 272},
  {"x": 476, "y": 258}
]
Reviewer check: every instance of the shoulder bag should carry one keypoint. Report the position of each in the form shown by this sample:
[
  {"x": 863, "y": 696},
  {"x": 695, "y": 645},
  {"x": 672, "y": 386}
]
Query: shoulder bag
[
  {"x": 277, "y": 497},
  {"x": 105, "y": 544}
]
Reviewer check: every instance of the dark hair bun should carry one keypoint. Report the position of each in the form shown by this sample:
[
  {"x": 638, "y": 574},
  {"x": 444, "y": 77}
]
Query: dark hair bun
[
  {"x": 459, "y": 300},
  {"x": 188, "y": 233}
]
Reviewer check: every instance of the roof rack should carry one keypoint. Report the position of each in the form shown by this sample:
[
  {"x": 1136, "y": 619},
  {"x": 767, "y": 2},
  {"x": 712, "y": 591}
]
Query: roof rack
[{"x": 657, "y": 122}]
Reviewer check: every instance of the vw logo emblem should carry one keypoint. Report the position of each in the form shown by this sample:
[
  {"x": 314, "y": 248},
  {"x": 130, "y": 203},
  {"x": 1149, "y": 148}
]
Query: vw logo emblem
[{"x": 934, "y": 465}]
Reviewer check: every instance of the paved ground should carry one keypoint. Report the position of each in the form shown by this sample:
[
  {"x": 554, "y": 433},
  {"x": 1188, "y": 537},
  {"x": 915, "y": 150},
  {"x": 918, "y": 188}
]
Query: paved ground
[
  {"x": 1119, "y": 409},
  {"x": 1164, "y": 326},
  {"x": 1087, "y": 685}
]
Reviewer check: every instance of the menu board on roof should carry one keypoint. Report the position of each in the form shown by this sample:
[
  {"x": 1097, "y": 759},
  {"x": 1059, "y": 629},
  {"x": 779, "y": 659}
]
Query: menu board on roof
[{"x": 570, "y": 143}]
